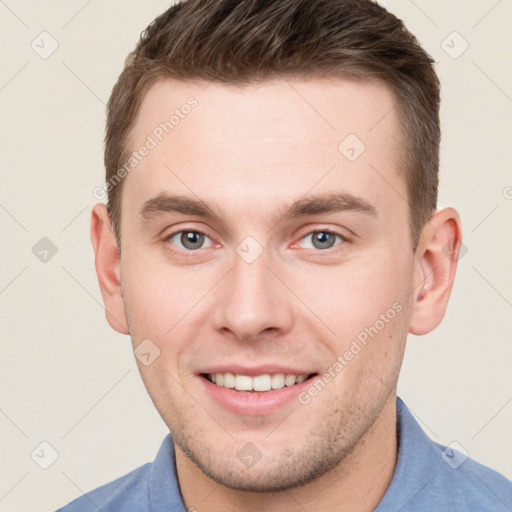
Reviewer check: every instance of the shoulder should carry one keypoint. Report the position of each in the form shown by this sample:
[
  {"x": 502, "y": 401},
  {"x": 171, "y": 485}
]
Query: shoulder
[
  {"x": 462, "y": 481},
  {"x": 129, "y": 491},
  {"x": 430, "y": 477},
  {"x": 153, "y": 486}
]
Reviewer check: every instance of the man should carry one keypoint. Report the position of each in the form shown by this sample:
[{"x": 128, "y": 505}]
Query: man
[{"x": 270, "y": 239}]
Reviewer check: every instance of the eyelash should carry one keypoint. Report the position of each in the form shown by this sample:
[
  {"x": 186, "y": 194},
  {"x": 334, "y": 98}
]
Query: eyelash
[{"x": 189, "y": 253}]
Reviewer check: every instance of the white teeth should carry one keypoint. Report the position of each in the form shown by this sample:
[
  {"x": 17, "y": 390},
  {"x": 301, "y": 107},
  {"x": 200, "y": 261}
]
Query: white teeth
[
  {"x": 289, "y": 380},
  {"x": 262, "y": 383},
  {"x": 278, "y": 381},
  {"x": 229, "y": 380},
  {"x": 259, "y": 383},
  {"x": 242, "y": 382}
]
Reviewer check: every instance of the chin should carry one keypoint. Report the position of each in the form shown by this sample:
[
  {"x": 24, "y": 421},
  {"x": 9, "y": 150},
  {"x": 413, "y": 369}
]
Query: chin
[{"x": 271, "y": 469}]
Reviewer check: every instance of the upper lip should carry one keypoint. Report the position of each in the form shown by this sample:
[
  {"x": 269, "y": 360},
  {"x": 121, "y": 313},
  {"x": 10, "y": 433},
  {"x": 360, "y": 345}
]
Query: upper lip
[{"x": 253, "y": 371}]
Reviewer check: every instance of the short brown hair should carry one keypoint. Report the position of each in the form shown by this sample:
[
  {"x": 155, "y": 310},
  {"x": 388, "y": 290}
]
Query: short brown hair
[{"x": 245, "y": 41}]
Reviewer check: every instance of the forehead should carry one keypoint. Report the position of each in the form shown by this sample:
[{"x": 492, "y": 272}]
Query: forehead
[{"x": 266, "y": 142}]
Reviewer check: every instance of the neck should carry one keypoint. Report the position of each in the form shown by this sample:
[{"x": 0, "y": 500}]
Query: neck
[{"x": 357, "y": 483}]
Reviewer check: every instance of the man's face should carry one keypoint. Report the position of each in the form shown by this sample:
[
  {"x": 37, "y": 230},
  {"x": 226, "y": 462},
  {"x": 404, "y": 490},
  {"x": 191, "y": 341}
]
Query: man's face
[{"x": 261, "y": 288}]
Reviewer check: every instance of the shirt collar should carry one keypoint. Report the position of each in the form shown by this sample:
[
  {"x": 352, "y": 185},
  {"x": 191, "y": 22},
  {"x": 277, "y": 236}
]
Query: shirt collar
[
  {"x": 164, "y": 491},
  {"x": 416, "y": 465}
]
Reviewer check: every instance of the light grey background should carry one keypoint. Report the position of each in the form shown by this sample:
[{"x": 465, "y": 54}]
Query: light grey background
[{"x": 69, "y": 380}]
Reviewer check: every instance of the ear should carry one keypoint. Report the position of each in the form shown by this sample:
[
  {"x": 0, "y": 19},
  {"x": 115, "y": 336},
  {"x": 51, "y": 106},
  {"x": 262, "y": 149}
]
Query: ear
[
  {"x": 435, "y": 265},
  {"x": 108, "y": 268}
]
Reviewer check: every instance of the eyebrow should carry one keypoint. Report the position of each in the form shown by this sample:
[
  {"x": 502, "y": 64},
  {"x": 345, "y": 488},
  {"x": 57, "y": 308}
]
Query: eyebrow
[
  {"x": 327, "y": 203},
  {"x": 311, "y": 205},
  {"x": 164, "y": 203}
]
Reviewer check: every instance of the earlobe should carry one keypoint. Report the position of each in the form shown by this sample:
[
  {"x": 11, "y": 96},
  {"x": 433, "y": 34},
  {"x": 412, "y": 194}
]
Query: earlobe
[
  {"x": 108, "y": 268},
  {"x": 436, "y": 263}
]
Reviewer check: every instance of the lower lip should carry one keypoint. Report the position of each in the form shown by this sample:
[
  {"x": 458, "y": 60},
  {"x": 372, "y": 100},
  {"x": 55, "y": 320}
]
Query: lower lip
[{"x": 254, "y": 403}]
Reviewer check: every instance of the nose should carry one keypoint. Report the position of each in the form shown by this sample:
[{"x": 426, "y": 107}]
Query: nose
[{"x": 253, "y": 300}]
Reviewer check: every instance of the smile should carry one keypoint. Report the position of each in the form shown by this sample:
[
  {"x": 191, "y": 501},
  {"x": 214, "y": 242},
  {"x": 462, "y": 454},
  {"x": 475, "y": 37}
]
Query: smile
[{"x": 259, "y": 383}]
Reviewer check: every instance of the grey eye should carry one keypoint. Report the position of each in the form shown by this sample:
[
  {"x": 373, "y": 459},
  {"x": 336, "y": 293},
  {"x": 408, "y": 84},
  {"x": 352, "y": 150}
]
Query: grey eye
[
  {"x": 322, "y": 239},
  {"x": 190, "y": 240}
]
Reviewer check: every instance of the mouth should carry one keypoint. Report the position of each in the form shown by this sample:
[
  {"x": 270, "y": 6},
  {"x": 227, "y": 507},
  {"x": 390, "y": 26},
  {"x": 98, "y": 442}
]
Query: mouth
[
  {"x": 258, "y": 383},
  {"x": 255, "y": 390}
]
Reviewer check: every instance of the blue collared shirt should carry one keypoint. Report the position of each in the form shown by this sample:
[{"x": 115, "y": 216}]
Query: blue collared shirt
[{"x": 428, "y": 477}]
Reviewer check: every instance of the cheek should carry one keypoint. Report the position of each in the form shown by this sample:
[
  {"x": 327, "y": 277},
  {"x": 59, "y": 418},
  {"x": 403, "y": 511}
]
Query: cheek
[
  {"x": 365, "y": 307},
  {"x": 352, "y": 296},
  {"x": 149, "y": 307},
  {"x": 158, "y": 295}
]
